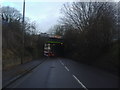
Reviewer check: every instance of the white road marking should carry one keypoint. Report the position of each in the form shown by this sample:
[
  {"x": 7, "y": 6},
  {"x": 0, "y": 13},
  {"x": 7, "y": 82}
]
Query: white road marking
[
  {"x": 61, "y": 62},
  {"x": 66, "y": 68},
  {"x": 80, "y": 82}
]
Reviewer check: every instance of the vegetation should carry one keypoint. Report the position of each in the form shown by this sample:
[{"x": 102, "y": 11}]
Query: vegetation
[
  {"x": 14, "y": 52},
  {"x": 90, "y": 32}
]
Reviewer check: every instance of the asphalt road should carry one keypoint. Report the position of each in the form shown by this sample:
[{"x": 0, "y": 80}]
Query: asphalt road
[{"x": 63, "y": 73}]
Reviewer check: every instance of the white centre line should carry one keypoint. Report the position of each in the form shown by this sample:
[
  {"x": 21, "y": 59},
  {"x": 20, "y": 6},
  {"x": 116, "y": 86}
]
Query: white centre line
[
  {"x": 66, "y": 68},
  {"x": 61, "y": 62},
  {"x": 80, "y": 82}
]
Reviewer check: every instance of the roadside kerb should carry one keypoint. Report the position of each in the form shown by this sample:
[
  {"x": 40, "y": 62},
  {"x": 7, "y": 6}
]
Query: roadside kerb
[{"x": 21, "y": 75}]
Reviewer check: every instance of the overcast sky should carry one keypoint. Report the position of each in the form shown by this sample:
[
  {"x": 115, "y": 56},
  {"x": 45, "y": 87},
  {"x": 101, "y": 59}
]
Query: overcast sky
[{"x": 45, "y": 14}]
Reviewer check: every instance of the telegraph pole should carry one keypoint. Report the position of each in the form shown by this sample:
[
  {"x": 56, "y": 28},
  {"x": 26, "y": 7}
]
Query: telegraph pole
[{"x": 23, "y": 28}]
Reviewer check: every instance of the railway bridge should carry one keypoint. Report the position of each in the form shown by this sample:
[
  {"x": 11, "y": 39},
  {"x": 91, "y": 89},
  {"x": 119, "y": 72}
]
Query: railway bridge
[{"x": 54, "y": 47}]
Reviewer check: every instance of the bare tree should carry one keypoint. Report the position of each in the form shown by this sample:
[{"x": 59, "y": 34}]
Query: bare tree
[
  {"x": 82, "y": 14},
  {"x": 95, "y": 23},
  {"x": 12, "y": 36},
  {"x": 57, "y": 30},
  {"x": 9, "y": 14}
]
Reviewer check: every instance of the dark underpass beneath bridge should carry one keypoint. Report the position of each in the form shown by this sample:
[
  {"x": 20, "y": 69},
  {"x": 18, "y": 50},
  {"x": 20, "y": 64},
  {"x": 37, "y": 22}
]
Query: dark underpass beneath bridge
[{"x": 54, "y": 47}]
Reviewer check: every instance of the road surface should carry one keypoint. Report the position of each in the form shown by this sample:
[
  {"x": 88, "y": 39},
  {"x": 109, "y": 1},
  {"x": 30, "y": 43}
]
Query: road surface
[{"x": 64, "y": 73}]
